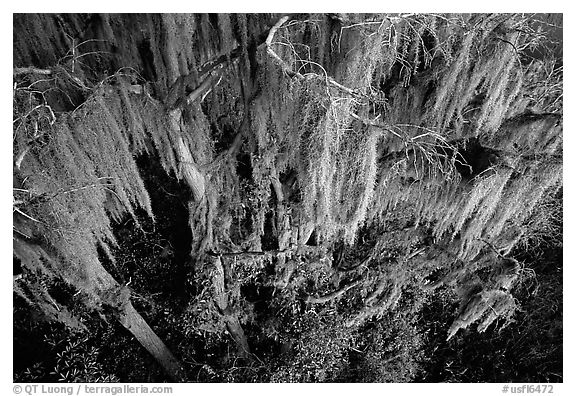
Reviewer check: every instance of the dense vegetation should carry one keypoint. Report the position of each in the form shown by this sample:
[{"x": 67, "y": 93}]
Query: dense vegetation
[{"x": 312, "y": 197}]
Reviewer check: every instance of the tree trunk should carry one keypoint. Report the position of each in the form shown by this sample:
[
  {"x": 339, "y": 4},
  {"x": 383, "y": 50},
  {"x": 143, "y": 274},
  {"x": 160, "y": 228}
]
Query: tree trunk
[
  {"x": 135, "y": 324},
  {"x": 188, "y": 168},
  {"x": 228, "y": 315},
  {"x": 237, "y": 333},
  {"x": 98, "y": 283}
]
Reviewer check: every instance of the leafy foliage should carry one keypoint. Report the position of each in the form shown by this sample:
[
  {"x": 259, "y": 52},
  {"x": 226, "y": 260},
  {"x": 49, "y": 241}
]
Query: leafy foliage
[{"x": 75, "y": 362}]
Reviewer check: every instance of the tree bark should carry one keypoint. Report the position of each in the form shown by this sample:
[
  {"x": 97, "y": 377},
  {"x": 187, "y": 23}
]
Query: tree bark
[
  {"x": 99, "y": 284},
  {"x": 230, "y": 318},
  {"x": 135, "y": 324},
  {"x": 333, "y": 295},
  {"x": 188, "y": 167}
]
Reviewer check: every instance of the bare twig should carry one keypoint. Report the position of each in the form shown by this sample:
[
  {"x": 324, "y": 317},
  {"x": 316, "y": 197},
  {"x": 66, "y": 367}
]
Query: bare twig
[
  {"x": 82, "y": 188},
  {"x": 291, "y": 73},
  {"x": 493, "y": 248},
  {"x": 420, "y": 143},
  {"x": 36, "y": 108},
  {"x": 25, "y": 215},
  {"x": 21, "y": 233},
  {"x": 384, "y": 127}
]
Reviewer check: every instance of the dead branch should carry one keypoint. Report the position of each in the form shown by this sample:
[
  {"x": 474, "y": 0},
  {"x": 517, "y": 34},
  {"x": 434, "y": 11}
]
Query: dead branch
[
  {"x": 34, "y": 109},
  {"x": 291, "y": 73},
  {"x": 274, "y": 55},
  {"x": 416, "y": 253},
  {"x": 329, "y": 81},
  {"x": 333, "y": 295},
  {"x": 204, "y": 87},
  {"x": 16, "y": 209},
  {"x": 31, "y": 70}
]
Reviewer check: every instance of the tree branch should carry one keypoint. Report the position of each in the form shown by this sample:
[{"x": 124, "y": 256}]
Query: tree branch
[
  {"x": 274, "y": 55},
  {"x": 376, "y": 293},
  {"x": 228, "y": 315},
  {"x": 31, "y": 70},
  {"x": 291, "y": 73},
  {"x": 20, "y": 157},
  {"x": 333, "y": 295},
  {"x": 205, "y": 86}
]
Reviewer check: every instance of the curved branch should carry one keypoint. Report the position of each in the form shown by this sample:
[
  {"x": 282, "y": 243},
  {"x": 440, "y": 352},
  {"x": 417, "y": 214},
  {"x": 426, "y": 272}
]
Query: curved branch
[
  {"x": 376, "y": 293},
  {"x": 333, "y": 295},
  {"x": 274, "y": 55},
  {"x": 291, "y": 73}
]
